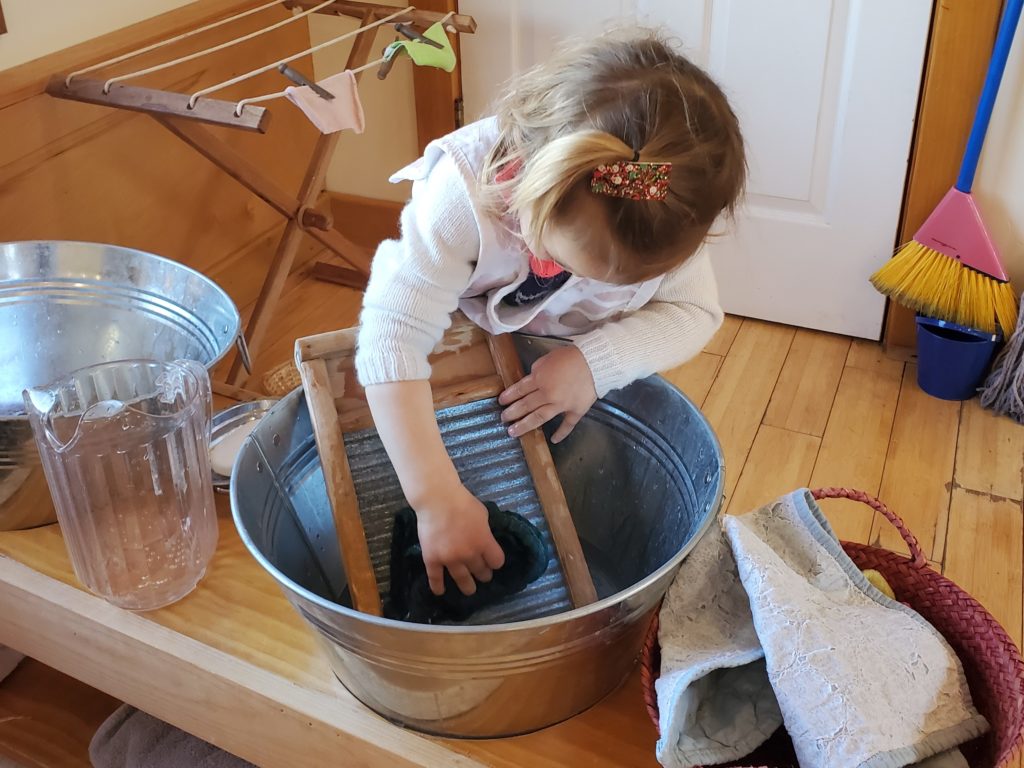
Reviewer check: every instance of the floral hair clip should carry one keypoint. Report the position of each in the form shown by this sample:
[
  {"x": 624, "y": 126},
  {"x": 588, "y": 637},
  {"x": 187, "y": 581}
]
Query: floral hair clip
[{"x": 632, "y": 179}]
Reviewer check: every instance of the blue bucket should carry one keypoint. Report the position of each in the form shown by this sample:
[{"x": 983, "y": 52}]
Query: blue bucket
[{"x": 952, "y": 359}]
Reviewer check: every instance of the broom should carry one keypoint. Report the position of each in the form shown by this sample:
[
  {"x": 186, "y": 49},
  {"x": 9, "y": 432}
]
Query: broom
[{"x": 951, "y": 270}]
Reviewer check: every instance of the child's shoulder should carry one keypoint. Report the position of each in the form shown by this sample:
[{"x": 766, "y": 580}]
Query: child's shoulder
[
  {"x": 467, "y": 147},
  {"x": 482, "y": 132}
]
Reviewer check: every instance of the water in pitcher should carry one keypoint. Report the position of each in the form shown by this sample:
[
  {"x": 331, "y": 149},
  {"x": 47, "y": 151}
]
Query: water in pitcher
[{"x": 125, "y": 448}]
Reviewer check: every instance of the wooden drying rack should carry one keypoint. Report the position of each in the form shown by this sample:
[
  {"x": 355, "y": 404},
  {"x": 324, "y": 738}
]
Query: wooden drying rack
[
  {"x": 172, "y": 111},
  {"x": 470, "y": 365}
]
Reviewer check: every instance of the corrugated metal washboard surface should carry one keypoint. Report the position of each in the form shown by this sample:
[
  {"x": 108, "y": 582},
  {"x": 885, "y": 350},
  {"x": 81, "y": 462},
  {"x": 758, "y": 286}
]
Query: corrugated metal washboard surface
[{"x": 493, "y": 468}]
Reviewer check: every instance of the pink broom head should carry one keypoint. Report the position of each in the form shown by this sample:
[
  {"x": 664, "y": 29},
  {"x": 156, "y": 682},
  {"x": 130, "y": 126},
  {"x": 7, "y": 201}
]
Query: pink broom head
[{"x": 956, "y": 229}]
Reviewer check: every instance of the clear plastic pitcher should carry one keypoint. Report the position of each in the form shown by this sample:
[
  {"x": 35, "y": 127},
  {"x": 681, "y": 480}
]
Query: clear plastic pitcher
[{"x": 125, "y": 448}]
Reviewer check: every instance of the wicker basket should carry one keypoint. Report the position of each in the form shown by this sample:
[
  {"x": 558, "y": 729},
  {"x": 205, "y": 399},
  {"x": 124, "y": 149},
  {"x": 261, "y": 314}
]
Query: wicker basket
[
  {"x": 995, "y": 672},
  {"x": 281, "y": 379}
]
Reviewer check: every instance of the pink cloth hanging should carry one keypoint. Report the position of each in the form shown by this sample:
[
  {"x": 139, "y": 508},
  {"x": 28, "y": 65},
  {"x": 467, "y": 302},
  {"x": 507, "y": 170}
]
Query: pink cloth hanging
[{"x": 343, "y": 112}]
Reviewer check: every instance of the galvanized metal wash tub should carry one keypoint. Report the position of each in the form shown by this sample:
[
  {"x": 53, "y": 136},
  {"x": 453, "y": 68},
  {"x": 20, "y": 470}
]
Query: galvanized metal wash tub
[
  {"x": 66, "y": 305},
  {"x": 643, "y": 477}
]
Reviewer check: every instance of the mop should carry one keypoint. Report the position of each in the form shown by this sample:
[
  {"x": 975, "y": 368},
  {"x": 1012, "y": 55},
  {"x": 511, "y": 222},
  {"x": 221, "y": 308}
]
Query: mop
[{"x": 1004, "y": 389}]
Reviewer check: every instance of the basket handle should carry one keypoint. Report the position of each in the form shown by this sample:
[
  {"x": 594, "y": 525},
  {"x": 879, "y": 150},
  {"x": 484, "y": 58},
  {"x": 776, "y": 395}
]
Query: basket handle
[{"x": 916, "y": 553}]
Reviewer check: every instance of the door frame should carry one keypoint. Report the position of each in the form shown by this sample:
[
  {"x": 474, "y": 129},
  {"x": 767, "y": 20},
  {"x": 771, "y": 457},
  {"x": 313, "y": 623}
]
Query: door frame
[
  {"x": 438, "y": 93},
  {"x": 959, "y": 46}
]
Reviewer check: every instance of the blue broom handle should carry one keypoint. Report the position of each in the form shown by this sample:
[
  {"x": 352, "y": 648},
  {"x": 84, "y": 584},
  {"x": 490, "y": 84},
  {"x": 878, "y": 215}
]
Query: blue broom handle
[{"x": 1004, "y": 40}]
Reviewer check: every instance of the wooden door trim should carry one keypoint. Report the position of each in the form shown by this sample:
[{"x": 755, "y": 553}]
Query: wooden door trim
[
  {"x": 959, "y": 46},
  {"x": 437, "y": 92}
]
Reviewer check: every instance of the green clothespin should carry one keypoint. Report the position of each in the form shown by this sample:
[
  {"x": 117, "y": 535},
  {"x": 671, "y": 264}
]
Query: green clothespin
[{"x": 390, "y": 54}]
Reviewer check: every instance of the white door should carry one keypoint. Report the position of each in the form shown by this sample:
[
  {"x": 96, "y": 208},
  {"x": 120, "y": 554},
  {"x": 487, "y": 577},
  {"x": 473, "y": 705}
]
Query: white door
[{"x": 826, "y": 92}]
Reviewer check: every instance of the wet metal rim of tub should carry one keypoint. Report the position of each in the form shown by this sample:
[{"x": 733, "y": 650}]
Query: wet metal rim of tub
[
  {"x": 227, "y": 420},
  {"x": 434, "y": 629},
  {"x": 157, "y": 299}
]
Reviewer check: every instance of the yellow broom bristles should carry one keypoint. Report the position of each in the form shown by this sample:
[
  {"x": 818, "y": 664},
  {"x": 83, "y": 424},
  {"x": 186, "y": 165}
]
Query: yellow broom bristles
[
  {"x": 1004, "y": 297},
  {"x": 933, "y": 284}
]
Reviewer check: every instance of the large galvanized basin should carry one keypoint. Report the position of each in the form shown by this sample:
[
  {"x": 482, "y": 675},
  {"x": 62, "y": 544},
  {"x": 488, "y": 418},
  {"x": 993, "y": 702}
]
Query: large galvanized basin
[
  {"x": 66, "y": 305},
  {"x": 643, "y": 477}
]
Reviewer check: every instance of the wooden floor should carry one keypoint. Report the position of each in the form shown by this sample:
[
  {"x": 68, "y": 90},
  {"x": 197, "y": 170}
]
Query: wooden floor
[
  {"x": 48, "y": 719},
  {"x": 792, "y": 408},
  {"x": 799, "y": 408}
]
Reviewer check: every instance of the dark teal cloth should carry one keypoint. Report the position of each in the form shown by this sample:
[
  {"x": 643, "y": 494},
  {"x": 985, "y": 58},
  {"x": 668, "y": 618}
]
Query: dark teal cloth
[{"x": 410, "y": 598}]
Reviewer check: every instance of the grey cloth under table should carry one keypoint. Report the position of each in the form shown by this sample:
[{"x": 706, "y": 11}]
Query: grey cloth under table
[
  {"x": 130, "y": 738},
  {"x": 768, "y": 622}
]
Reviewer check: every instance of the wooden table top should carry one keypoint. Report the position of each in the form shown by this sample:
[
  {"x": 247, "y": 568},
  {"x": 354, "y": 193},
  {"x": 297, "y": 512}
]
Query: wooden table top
[{"x": 234, "y": 664}]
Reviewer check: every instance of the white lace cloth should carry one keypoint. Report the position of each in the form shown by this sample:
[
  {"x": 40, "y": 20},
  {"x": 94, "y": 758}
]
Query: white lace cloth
[{"x": 768, "y": 621}]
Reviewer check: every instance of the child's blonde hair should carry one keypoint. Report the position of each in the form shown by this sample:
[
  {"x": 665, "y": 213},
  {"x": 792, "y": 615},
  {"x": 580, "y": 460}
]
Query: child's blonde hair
[{"x": 605, "y": 101}]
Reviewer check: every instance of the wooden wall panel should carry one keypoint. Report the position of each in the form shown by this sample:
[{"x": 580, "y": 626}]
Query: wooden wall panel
[
  {"x": 963, "y": 32},
  {"x": 72, "y": 171}
]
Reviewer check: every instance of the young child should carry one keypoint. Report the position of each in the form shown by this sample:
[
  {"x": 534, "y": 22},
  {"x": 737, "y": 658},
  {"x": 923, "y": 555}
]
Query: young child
[{"x": 579, "y": 211}]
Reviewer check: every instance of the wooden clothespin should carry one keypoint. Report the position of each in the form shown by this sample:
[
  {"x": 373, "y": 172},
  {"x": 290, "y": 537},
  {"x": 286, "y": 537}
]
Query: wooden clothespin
[
  {"x": 299, "y": 79},
  {"x": 413, "y": 34}
]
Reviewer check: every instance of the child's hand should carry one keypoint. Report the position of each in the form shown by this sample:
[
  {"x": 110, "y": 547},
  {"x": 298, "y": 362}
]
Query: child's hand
[
  {"x": 560, "y": 382},
  {"x": 454, "y": 534}
]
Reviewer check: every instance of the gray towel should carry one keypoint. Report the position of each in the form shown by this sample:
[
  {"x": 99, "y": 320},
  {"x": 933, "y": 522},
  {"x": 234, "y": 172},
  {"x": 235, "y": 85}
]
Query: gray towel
[
  {"x": 714, "y": 696},
  {"x": 770, "y": 620},
  {"x": 132, "y": 739}
]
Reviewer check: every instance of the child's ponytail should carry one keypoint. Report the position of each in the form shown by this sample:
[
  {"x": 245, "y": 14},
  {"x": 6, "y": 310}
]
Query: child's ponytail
[
  {"x": 551, "y": 174},
  {"x": 620, "y": 97}
]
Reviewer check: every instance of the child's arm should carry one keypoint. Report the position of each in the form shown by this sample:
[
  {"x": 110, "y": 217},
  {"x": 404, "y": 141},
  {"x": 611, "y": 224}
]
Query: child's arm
[
  {"x": 675, "y": 325},
  {"x": 451, "y": 522},
  {"x": 414, "y": 288}
]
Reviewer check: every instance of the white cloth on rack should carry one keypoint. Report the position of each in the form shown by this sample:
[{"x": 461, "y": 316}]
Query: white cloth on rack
[
  {"x": 859, "y": 680},
  {"x": 343, "y": 112}
]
